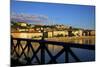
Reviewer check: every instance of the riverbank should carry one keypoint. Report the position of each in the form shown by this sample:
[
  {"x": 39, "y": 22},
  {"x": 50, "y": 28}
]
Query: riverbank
[
  {"x": 81, "y": 39},
  {"x": 72, "y": 38}
]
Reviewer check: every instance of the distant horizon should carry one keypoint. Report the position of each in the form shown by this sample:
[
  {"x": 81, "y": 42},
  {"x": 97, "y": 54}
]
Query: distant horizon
[{"x": 77, "y": 16}]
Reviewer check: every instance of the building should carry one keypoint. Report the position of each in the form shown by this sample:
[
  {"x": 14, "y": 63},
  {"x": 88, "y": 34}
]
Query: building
[
  {"x": 31, "y": 30},
  {"x": 92, "y": 33},
  {"x": 23, "y": 24},
  {"x": 23, "y": 30},
  {"x": 48, "y": 34},
  {"x": 60, "y": 33},
  {"x": 77, "y": 32}
]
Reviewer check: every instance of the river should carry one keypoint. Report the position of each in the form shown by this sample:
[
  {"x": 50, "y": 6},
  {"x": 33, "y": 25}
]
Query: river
[{"x": 83, "y": 54}]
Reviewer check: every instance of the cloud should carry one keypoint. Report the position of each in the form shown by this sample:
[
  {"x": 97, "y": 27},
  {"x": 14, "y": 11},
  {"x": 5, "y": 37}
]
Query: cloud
[{"x": 22, "y": 17}]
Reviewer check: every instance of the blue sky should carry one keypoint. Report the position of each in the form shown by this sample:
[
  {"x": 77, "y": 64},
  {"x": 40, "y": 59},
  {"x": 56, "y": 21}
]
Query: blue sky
[{"x": 74, "y": 15}]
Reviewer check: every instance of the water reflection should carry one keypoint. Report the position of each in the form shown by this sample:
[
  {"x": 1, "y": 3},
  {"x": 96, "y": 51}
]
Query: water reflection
[{"x": 83, "y": 54}]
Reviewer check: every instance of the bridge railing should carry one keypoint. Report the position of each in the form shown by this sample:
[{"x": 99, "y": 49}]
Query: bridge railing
[{"x": 15, "y": 50}]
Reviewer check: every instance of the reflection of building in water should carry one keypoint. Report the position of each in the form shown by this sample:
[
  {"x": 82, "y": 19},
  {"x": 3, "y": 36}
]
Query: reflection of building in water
[
  {"x": 78, "y": 41},
  {"x": 54, "y": 48}
]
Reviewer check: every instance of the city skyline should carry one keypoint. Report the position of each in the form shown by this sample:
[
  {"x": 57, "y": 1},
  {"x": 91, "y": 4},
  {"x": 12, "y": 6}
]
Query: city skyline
[{"x": 80, "y": 16}]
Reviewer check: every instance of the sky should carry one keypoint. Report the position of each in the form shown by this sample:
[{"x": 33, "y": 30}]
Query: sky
[{"x": 80, "y": 16}]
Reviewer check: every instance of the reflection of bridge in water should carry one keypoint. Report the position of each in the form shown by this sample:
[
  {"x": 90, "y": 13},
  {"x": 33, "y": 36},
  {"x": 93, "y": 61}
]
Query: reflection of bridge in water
[{"x": 19, "y": 50}]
